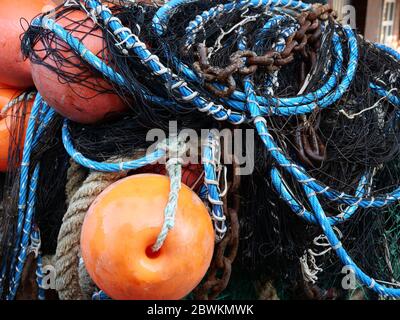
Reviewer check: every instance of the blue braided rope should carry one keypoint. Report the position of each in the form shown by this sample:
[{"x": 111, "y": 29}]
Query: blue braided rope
[
  {"x": 107, "y": 167},
  {"x": 395, "y": 100},
  {"x": 279, "y": 106},
  {"x": 320, "y": 216},
  {"x": 94, "y": 60},
  {"x": 164, "y": 14},
  {"x": 37, "y": 111},
  {"x": 216, "y": 12},
  {"x": 24, "y": 174},
  {"x": 209, "y": 158},
  {"x": 26, "y": 233},
  {"x": 341, "y": 252},
  {"x": 132, "y": 43},
  {"x": 298, "y": 172},
  {"x": 80, "y": 48},
  {"x": 203, "y": 193}
]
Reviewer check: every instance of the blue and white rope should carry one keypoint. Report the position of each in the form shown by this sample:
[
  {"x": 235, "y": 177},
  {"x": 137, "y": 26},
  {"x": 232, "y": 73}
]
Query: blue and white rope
[
  {"x": 35, "y": 248},
  {"x": 319, "y": 215},
  {"x": 131, "y": 42},
  {"x": 27, "y": 193},
  {"x": 283, "y": 190},
  {"x": 103, "y": 166}
]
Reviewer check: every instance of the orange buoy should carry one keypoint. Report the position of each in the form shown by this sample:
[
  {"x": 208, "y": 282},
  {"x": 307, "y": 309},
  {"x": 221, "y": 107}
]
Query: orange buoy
[
  {"x": 6, "y": 122},
  {"x": 88, "y": 99},
  {"x": 123, "y": 224},
  {"x": 15, "y": 71}
]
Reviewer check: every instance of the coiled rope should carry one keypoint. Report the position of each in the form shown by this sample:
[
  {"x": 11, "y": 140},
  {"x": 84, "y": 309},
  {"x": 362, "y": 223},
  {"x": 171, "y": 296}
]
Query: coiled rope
[
  {"x": 238, "y": 108},
  {"x": 176, "y": 150}
]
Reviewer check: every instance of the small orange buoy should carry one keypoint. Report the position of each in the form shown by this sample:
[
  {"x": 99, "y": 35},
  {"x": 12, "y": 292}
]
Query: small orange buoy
[
  {"x": 14, "y": 70},
  {"x": 88, "y": 98},
  {"x": 6, "y": 121},
  {"x": 121, "y": 227}
]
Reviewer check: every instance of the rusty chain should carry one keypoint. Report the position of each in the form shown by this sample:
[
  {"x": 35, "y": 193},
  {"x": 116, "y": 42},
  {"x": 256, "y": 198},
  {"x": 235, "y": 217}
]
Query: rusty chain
[
  {"x": 309, "y": 35},
  {"x": 310, "y": 148},
  {"x": 220, "y": 271}
]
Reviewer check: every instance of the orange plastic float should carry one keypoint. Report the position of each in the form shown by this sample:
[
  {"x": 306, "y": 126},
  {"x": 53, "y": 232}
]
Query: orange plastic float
[
  {"x": 73, "y": 100},
  {"x": 15, "y": 71},
  {"x": 123, "y": 224},
  {"x": 7, "y": 95}
]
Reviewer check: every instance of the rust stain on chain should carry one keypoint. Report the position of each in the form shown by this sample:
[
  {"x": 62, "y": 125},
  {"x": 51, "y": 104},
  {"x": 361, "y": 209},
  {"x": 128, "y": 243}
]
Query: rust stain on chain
[{"x": 220, "y": 270}]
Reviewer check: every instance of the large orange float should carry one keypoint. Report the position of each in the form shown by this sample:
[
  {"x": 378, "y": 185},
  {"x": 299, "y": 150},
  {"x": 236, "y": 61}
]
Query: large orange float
[
  {"x": 123, "y": 224},
  {"x": 75, "y": 101},
  {"x": 6, "y": 120},
  {"x": 15, "y": 71}
]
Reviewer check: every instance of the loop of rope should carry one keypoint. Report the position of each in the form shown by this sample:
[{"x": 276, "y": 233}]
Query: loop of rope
[
  {"x": 27, "y": 192},
  {"x": 104, "y": 166},
  {"x": 294, "y": 106},
  {"x": 25, "y": 96},
  {"x": 288, "y": 106},
  {"x": 284, "y": 191},
  {"x": 311, "y": 193}
]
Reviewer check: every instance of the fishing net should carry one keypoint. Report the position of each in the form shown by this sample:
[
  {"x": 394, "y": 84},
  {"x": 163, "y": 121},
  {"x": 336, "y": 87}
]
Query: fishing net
[
  {"x": 45, "y": 48},
  {"x": 328, "y": 100}
]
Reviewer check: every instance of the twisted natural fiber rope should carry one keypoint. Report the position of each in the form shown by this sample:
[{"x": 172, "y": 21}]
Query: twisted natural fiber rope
[{"x": 68, "y": 250}]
